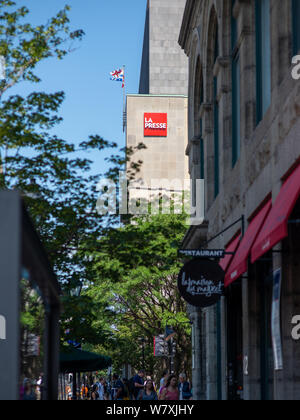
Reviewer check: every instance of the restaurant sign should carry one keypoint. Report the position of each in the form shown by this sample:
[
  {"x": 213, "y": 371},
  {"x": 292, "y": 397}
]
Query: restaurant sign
[
  {"x": 201, "y": 282},
  {"x": 203, "y": 253}
]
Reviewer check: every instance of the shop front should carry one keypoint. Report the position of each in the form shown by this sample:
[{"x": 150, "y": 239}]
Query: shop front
[
  {"x": 29, "y": 307},
  {"x": 262, "y": 292}
]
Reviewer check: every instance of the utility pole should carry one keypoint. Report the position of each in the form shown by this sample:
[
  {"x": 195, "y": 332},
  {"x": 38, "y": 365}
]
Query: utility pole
[
  {"x": 143, "y": 352},
  {"x": 2, "y": 78},
  {"x": 171, "y": 355}
]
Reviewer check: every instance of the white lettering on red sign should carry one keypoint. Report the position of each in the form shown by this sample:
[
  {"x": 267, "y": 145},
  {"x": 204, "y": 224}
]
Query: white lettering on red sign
[
  {"x": 155, "y": 124},
  {"x": 151, "y": 124}
]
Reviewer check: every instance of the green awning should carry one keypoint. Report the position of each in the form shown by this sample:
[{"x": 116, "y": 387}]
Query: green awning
[{"x": 74, "y": 360}]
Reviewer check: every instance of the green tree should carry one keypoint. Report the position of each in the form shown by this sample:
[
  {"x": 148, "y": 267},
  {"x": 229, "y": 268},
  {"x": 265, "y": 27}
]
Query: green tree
[
  {"x": 51, "y": 173},
  {"x": 135, "y": 271},
  {"x": 53, "y": 177}
]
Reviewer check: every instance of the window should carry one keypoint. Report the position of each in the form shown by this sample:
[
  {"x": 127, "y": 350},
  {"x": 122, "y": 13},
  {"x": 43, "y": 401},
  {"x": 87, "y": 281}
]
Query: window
[
  {"x": 296, "y": 28},
  {"x": 263, "y": 57},
  {"x": 201, "y": 133},
  {"x": 201, "y": 158},
  {"x": 216, "y": 137},
  {"x": 212, "y": 146},
  {"x": 198, "y": 101},
  {"x": 236, "y": 94},
  {"x": 216, "y": 121}
]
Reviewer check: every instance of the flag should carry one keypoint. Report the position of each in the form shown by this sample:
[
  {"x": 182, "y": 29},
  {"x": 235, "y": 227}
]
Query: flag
[
  {"x": 118, "y": 76},
  {"x": 169, "y": 333}
]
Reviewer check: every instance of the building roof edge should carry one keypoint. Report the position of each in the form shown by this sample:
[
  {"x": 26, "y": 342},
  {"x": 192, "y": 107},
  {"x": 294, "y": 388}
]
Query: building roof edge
[
  {"x": 185, "y": 26},
  {"x": 155, "y": 95}
]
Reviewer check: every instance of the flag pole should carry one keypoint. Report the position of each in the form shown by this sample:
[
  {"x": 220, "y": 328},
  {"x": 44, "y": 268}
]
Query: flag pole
[{"x": 124, "y": 100}]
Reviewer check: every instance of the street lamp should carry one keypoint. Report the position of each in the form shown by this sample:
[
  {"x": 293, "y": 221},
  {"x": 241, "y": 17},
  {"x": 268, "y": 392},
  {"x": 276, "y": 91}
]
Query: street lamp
[
  {"x": 143, "y": 351},
  {"x": 75, "y": 291},
  {"x": 169, "y": 334},
  {"x": 76, "y": 287}
]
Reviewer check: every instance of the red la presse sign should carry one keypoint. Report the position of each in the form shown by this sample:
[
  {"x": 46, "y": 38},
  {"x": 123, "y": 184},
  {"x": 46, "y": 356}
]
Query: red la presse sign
[{"x": 155, "y": 124}]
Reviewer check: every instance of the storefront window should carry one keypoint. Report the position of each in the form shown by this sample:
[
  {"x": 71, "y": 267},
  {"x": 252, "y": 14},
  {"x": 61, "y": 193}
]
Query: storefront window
[
  {"x": 296, "y": 29},
  {"x": 32, "y": 328}
]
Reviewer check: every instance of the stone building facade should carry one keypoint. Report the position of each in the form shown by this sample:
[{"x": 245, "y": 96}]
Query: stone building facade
[
  {"x": 162, "y": 156},
  {"x": 164, "y": 69},
  {"x": 244, "y": 125},
  {"x": 162, "y": 90}
]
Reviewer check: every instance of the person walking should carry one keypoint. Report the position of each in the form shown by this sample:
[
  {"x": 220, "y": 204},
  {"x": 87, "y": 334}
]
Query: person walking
[
  {"x": 150, "y": 379},
  {"x": 138, "y": 382},
  {"x": 101, "y": 389},
  {"x": 163, "y": 380},
  {"x": 184, "y": 388},
  {"x": 118, "y": 388},
  {"x": 148, "y": 393},
  {"x": 170, "y": 392},
  {"x": 29, "y": 394},
  {"x": 94, "y": 393},
  {"x": 126, "y": 389}
]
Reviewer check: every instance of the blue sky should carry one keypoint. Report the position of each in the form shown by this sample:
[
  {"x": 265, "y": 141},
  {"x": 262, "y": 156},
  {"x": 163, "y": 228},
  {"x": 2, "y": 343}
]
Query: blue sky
[{"x": 113, "y": 38}]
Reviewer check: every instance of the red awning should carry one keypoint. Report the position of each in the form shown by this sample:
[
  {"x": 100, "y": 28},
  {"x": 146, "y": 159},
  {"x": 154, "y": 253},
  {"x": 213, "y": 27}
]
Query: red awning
[
  {"x": 275, "y": 227},
  {"x": 239, "y": 264},
  {"x": 231, "y": 247}
]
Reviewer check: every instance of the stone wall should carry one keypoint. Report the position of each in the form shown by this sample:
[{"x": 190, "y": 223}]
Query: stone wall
[
  {"x": 164, "y": 66},
  {"x": 268, "y": 150},
  {"x": 163, "y": 157}
]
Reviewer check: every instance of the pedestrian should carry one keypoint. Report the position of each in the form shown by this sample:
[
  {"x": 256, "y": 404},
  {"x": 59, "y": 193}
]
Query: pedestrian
[
  {"x": 29, "y": 394},
  {"x": 126, "y": 389},
  {"x": 68, "y": 392},
  {"x": 22, "y": 388},
  {"x": 163, "y": 380},
  {"x": 118, "y": 388},
  {"x": 108, "y": 389},
  {"x": 170, "y": 391},
  {"x": 105, "y": 386},
  {"x": 150, "y": 379},
  {"x": 84, "y": 392},
  {"x": 148, "y": 393},
  {"x": 138, "y": 382},
  {"x": 40, "y": 388},
  {"x": 184, "y": 388},
  {"x": 106, "y": 396},
  {"x": 131, "y": 388},
  {"x": 94, "y": 393},
  {"x": 101, "y": 389}
]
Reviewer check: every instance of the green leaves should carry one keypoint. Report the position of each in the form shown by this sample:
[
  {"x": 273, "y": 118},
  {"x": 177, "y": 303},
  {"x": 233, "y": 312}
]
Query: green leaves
[
  {"x": 23, "y": 46},
  {"x": 52, "y": 174},
  {"x": 135, "y": 274},
  {"x": 128, "y": 274},
  {"x": 96, "y": 142},
  {"x": 49, "y": 171}
]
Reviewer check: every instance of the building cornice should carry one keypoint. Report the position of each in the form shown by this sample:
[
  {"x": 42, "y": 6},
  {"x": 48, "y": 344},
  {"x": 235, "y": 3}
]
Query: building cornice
[
  {"x": 186, "y": 23},
  {"x": 143, "y": 95}
]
